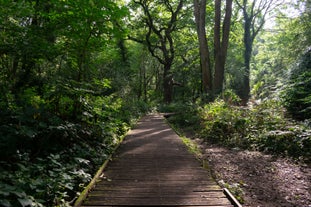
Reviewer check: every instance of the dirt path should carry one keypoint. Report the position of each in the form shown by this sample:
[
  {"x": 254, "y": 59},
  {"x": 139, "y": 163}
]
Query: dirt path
[
  {"x": 266, "y": 180},
  {"x": 152, "y": 167}
]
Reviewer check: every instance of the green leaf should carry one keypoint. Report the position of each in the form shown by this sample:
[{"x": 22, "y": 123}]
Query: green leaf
[
  {"x": 81, "y": 160},
  {"x": 19, "y": 194},
  {"x": 5, "y": 203},
  {"x": 25, "y": 202},
  {"x": 4, "y": 193}
]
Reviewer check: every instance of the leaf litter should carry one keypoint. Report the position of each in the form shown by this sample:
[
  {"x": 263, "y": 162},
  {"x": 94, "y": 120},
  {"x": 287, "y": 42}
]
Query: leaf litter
[{"x": 262, "y": 180}]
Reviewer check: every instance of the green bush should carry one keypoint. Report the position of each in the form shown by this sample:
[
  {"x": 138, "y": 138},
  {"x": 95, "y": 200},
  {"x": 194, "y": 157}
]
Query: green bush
[
  {"x": 183, "y": 114},
  {"x": 260, "y": 127},
  {"x": 49, "y": 181},
  {"x": 52, "y": 144},
  {"x": 223, "y": 123},
  {"x": 297, "y": 95}
]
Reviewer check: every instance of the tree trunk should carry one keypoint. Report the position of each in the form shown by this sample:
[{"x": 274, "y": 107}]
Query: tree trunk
[
  {"x": 199, "y": 14},
  {"x": 221, "y": 42},
  {"x": 254, "y": 14},
  {"x": 160, "y": 42},
  {"x": 219, "y": 71},
  {"x": 145, "y": 83},
  {"x": 248, "y": 47},
  {"x": 167, "y": 84},
  {"x": 141, "y": 82}
]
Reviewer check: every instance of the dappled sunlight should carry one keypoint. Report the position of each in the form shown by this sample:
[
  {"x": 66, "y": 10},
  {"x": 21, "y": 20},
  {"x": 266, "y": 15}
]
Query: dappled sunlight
[{"x": 153, "y": 167}]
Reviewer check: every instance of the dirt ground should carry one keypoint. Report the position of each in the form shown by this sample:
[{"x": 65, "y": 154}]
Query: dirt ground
[{"x": 265, "y": 180}]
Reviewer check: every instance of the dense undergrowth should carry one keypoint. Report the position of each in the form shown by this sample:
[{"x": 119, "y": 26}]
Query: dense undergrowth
[
  {"x": 264, "y": 127},
  {"x": 52, "y": 144}
]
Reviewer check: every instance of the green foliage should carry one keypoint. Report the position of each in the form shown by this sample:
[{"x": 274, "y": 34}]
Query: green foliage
[
  {"x": 230, "y": 97},
  {"x": 52, "y": 143},
  {"x": 278, "y": 48},
  {"x": 297, "y": 95},
  {"x": 192, "y": 147},
  {"x": 71, "y": 86},
  {"x": 184, "y": 114},
  {"x": 235, "y": 189},
  {"x": 220, "y": 120},
  {"x": 44, "y": 181},
  {"x": 63, "y": 73},
  {"x": 54, "y": 154},
  {"x": 260, "y": 127}
]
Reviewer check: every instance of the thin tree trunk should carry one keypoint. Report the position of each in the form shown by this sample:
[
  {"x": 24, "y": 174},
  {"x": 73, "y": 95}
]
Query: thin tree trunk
[
  {"x": 254, "y": 14},
  {"x": 145, "y": 83},
  {"x": 140, "y": 87},
  {"x": 248, "y": 47}
]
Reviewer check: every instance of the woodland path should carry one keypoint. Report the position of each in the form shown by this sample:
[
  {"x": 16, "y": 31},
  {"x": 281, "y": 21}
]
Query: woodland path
[{"x": 152, "y": 167}]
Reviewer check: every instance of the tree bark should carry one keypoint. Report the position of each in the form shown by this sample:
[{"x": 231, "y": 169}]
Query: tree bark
[
  {"x": 221, "y": 42},
  {"x": 248, "y": 48},
  {"x": 164, "y": 43},
  {"x": 206, "y": 69},
  {"x": 254, "y": 18},
  {"x": 167, "y": 84}
]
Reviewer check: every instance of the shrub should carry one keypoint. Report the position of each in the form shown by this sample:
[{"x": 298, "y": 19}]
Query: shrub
[
  {"x": 52, "y": 144},
  {"x": 184, "y": 114},
  {"x": 297, "y": 95},
  {"x": 260, "y": 127},
  {"x": 223, "y": 123}
]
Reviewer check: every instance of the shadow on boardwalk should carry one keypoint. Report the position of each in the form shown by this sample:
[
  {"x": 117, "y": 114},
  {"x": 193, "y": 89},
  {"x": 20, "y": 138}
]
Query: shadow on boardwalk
[{"x": 152, "y": 167}]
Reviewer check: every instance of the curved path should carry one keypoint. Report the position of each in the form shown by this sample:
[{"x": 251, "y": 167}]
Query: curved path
[{"x": 152, "y": 167}]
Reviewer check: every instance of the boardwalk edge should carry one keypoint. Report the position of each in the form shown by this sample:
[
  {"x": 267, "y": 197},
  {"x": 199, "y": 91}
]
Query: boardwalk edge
[
  {"x": 232, "y": 199},
  {"x": 205, "y": 164},
  {"x": 91, "y": 185}
]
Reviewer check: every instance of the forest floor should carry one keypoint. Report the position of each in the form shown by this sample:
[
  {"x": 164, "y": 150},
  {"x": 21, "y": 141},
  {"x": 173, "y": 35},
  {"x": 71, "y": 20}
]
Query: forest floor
[{"x": 265, "y": 180}]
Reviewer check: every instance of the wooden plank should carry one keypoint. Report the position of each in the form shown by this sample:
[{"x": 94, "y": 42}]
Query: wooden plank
[
  {"x": 156, "y": 201},
  {"x": 142, "y": 183},
  {"x": 162, "y": 205},
  {"x": 152, "y": 167},
  {"x": 167, "y": 189},
  {"x": 194, "y": 187},
  {"x": 158, "y": 177},
  {"x": 128, "y": 205},
  {"x": 155, "y": 193}
]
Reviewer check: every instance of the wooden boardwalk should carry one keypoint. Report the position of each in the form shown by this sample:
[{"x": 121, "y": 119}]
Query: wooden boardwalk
[{"x": 152, "y": 167}]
